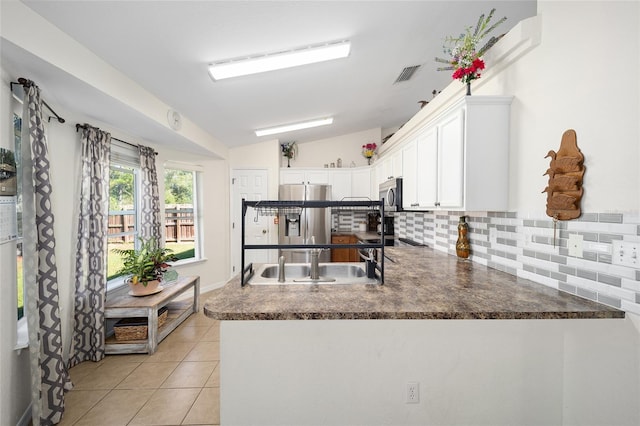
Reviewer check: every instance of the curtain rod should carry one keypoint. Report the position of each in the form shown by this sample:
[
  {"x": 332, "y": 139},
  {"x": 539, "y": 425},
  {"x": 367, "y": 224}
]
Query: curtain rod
[
  {"x": 28, "y": 83},
  {"x": 88, "y": 126}
]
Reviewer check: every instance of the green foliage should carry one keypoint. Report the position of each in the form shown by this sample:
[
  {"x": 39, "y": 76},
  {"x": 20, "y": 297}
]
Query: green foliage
[
  {"x": 178, "y": 187},
  {"x": 121, "y": 189},
  {"x": 146, "y": 264}
]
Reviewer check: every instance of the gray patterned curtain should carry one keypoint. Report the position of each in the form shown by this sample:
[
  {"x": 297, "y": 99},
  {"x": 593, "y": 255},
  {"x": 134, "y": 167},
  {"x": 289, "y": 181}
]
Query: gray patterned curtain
[
  {"x": 91, "y": 248},
  {"x": 49, "y": 376},
  {"x": 150, "y": 197}
]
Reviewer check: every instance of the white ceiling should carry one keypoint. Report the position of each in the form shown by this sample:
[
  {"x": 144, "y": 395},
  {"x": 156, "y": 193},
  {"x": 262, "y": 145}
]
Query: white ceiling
[{"x": 165, "y": 46}]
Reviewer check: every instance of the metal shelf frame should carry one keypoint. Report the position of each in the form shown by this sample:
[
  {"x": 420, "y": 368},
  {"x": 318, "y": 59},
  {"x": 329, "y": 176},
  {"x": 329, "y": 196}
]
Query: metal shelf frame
[{"x": 273, "y": 208}]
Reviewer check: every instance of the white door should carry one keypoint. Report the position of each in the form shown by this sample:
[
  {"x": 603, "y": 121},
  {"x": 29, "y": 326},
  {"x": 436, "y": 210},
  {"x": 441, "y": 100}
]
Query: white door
[{"x": 251, "y": 185}]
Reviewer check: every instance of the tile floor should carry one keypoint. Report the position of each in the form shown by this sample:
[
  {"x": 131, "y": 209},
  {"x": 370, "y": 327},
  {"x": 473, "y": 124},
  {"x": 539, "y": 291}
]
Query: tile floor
[{"x": 177, "y": 385}]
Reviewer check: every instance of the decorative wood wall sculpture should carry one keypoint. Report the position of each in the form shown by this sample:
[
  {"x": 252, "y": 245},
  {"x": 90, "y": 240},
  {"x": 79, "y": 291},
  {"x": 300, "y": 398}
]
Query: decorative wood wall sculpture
[{"x": 566, "y": 169}]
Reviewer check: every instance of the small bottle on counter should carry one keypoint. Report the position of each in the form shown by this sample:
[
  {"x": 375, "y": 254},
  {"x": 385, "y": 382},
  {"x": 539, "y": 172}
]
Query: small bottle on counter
[{"x": 339, "y": 162}]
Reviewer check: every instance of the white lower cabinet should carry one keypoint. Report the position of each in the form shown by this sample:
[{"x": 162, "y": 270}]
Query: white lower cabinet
[{"x": 459, "y": 160}]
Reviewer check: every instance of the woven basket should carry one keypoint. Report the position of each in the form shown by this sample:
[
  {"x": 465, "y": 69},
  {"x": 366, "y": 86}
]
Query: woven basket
[{"x": 137, "y": 328}]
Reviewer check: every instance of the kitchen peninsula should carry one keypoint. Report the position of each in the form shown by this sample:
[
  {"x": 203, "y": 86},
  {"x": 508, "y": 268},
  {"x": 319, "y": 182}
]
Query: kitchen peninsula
[
  {"x": 420, "y": 283},
  {"x": 544, "y": 358}
]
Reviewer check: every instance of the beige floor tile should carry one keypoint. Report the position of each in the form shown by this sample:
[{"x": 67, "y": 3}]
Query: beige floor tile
[
  {"x": 78, "y": 403},
  {"x": 190, "y": 375},
  {"x": 166, "y": 407},
  {"x": 206, "y": 409},
  {"x": 116, "y": 408},
  {"x": 213, "y": 335},
  {"x": 214, "y": 378},
  {"x": 204, "y": 351},
  {"x": 106, "y": 376},
  {"x": 109, "y": 359},
  {"x": 198, "y": 319},
  {"x": 171, "y": 351},
  {"x": 187, "y": 334},
  {"x": 148, "y": 375},
  {"x": 79, "y": 371}
]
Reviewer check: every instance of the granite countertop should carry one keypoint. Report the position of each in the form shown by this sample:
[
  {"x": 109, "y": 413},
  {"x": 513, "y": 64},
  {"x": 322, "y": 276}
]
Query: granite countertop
[{"x": 422, "y": 283}]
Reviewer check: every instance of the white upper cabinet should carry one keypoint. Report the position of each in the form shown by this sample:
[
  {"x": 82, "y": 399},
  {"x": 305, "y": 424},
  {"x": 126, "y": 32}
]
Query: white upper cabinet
[
  {"x": 312, "y": 176},
  {"x": 340, "y": 181},
  {"x": 450, "y": 164},
  {"x": 346, "y": 183},
  {"x": 361, "y": 183},
  {"x": 459, "y": 159},
  {"x": 420, "y": 169}
]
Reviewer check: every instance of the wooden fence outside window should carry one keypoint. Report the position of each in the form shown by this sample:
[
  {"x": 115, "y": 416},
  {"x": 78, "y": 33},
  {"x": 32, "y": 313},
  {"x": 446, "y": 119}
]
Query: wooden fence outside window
[{"x": 179, "y": 224}]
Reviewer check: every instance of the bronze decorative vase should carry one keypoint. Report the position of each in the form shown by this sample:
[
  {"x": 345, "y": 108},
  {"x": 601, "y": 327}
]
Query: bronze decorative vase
[{"x": 463, "y": 247}]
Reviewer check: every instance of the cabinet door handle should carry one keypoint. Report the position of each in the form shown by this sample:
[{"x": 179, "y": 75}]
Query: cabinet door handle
[{"x": 415, "y": 204}]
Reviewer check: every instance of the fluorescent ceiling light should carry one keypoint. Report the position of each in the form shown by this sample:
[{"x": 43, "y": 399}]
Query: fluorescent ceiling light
[
  {"x": 280, "y": 60},
  {"x": 295, "y": 126}
]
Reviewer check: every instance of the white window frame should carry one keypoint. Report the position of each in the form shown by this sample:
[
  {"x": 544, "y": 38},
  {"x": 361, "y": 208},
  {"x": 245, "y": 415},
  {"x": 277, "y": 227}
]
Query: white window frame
[
  {"x": 197, "y": 213},
  {"x": 126, "y": 157}
]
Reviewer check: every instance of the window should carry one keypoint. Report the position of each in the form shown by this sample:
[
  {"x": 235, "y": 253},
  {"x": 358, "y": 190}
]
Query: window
[
  {"x": 181, "y": 218},
  {"x": 123, "y": 215},
  {"x": 17, "y": 137}
]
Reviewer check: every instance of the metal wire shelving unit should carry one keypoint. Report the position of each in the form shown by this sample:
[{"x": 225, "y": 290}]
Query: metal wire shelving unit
[{"x": 276, "y": 208}]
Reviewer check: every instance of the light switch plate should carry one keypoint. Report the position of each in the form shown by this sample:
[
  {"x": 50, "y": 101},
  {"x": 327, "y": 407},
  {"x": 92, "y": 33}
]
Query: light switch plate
[
  {"x": 625, "y": 254},
  {"x": 575, "y": 245}
]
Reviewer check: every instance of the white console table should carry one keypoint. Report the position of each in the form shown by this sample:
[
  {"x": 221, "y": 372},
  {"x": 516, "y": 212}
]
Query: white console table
[{"x": 126, "y": 306}]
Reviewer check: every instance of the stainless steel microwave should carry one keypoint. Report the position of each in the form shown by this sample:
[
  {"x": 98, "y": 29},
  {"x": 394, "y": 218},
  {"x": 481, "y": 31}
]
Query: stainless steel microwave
[{"x": 391, "y": 192}]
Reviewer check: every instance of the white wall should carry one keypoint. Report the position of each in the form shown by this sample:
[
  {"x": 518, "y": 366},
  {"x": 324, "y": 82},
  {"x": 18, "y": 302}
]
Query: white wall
[
  {"x": 471, "y": 372},
  {"x": 326, "y": 151},
  {"x": 569, "y": 82}
]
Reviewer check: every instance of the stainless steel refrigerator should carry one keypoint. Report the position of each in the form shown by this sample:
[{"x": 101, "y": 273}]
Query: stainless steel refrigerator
[{"x": 307, "y": 226}]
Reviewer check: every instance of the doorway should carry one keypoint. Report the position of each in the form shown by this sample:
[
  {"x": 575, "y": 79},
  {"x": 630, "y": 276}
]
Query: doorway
[{"x": 251, "y": 185}]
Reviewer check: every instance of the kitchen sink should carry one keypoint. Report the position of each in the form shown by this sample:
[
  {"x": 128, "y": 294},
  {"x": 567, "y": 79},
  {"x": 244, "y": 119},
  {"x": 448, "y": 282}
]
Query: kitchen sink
[{"x": 300, "y": 273}]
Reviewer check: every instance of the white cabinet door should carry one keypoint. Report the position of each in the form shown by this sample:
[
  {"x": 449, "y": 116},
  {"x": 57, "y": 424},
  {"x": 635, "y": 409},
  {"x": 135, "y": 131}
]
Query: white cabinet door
[
  {"x": 396, "y": 164},
  {"x": 427, "y": 169},
  {"x": 451, "y": 161},
  {"x": 312, "y": 176},
  {"x": 410, "y": 175},
  {"x": 361, "y": 183},
  {"x": 318, "y": 177},
  {"x": 289, "y": 176},
  {"x": 340, "y": 184}
]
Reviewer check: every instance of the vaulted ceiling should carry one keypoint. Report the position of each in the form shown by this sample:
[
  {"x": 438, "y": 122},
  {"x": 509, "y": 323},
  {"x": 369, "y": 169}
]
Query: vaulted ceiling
[{"x": 165, "y": 46}]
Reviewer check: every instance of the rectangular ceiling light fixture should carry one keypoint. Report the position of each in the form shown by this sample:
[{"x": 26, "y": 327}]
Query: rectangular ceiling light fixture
[
  {"x": 295, "y": 126},
  {"x": 279, "y": 60}
]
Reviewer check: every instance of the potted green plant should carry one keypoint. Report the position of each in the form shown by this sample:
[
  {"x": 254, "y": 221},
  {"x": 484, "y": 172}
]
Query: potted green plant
[{"x": 145, "y": 266}]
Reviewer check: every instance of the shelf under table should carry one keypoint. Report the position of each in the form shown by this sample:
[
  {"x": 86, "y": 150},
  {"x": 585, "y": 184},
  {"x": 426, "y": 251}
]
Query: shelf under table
[{"x": 126, "y": 306}]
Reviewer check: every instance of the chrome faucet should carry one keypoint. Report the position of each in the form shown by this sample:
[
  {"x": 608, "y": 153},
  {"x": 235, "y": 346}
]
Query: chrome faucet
[
  {"x": 315, "y": 269},
  {"x": 281, "y": 269}
]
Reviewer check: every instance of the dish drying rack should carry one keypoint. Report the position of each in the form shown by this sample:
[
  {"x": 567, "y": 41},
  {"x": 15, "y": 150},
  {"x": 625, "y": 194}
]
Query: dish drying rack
[{"x": 276, "y": 208}]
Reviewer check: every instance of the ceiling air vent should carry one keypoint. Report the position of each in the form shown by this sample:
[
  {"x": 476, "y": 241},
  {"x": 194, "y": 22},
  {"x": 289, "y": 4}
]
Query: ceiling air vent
[{"x": 406, "y": 73}]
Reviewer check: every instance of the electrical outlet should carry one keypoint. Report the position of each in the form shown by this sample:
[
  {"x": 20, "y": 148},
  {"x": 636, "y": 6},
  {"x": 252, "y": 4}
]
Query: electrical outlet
[
  {"x": 626, "y": 254},
  {"x": 575, "y": 245},
  {"x": 413, "y": 393}
]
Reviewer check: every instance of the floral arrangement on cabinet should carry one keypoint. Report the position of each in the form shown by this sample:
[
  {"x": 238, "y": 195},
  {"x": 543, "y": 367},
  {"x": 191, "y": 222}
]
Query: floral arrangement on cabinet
[
  {"x": 368, "y": 150},
  {"x": 289, "y": 150},
  {"x": 465, "y": 57}
]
